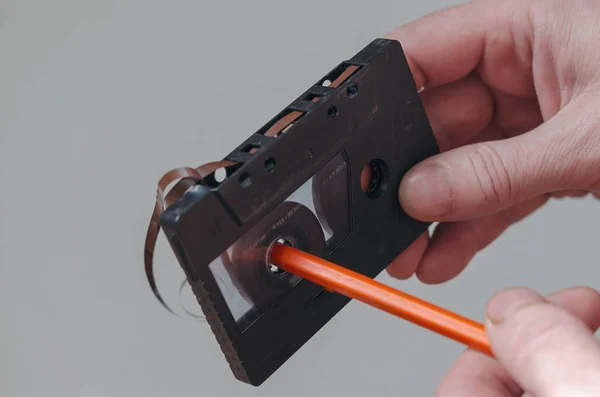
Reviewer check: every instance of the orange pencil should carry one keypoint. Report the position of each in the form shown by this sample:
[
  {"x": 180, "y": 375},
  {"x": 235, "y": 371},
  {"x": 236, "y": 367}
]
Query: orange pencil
[{"x": 356, "y": 286}]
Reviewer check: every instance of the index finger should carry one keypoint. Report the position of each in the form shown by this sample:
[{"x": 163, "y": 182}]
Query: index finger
[{"x": 445, "y": 46}]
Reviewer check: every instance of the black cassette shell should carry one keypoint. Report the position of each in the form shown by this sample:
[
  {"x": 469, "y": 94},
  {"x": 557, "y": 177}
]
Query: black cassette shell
[{"x": 375, "y": 114}]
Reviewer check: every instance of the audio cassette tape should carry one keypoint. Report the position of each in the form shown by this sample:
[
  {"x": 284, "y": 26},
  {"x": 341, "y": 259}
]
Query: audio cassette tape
[{"x": 321, "y": 176}]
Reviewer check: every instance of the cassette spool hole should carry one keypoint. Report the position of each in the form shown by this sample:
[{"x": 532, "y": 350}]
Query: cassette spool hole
[
  {"x": 374, "y": 178},
  {"x": 272, "y": 268}
]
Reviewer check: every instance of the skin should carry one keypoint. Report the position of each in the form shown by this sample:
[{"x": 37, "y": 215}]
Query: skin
[{"x": 512, "y": 90}]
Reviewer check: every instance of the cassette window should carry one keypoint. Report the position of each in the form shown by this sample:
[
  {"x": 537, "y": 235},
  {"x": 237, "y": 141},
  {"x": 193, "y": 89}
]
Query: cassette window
[{"x": 315, "y": 218}]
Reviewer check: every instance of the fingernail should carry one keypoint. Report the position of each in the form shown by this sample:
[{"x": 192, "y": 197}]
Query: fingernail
[
  {"x": 506, "y": 303},
  {"x": 425, "y": 191}
]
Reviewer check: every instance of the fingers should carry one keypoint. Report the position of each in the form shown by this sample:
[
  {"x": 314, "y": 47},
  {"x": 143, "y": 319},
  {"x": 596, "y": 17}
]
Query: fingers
[
  {"x": 515, "y": 115},
  {"x": 458, "y": 111},
  {"x": 468, "y": 182},
  {"x": 404, "y": 266},
  {"x": 448, "y": 45},
  {"x": 453, "y": 245},
  {"x": 476, "y": 374},
  {"x": 483, "y": 178},
  {"x": 548, "y": 350},
  {"x": 582, "y": 302}
]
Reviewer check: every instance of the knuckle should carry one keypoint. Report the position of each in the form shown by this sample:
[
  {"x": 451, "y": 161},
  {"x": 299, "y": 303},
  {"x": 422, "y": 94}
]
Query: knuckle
[
  {"x": 492, "y": 174},
  {"x": 580, "y": 169}
]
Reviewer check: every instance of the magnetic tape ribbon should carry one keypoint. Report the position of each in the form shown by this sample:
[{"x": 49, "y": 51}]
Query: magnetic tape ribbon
[{"x": 184, "y": 178}]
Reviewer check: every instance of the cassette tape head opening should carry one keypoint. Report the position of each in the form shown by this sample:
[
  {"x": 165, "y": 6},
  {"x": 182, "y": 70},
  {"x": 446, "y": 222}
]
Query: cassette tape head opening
[{"x": 320, "y": 176}]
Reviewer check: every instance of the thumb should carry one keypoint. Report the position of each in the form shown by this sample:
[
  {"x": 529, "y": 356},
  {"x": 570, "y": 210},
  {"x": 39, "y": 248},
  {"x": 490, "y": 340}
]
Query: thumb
[
  {"x": 548, "y": 351},
  {"x": 483, "y": 178}
]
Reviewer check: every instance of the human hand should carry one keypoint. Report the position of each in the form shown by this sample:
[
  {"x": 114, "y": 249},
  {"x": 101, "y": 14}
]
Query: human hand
[
  {"x": 512, "y": 90},
  {"x": 543, "y": 346}
]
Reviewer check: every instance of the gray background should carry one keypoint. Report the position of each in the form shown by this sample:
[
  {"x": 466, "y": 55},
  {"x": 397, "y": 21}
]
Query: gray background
[{"x": 97, "y": 100}]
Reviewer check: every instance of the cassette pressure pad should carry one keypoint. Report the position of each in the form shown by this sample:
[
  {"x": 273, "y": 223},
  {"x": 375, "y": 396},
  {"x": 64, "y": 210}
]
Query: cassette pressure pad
[{"x": 321, "y": 176}]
